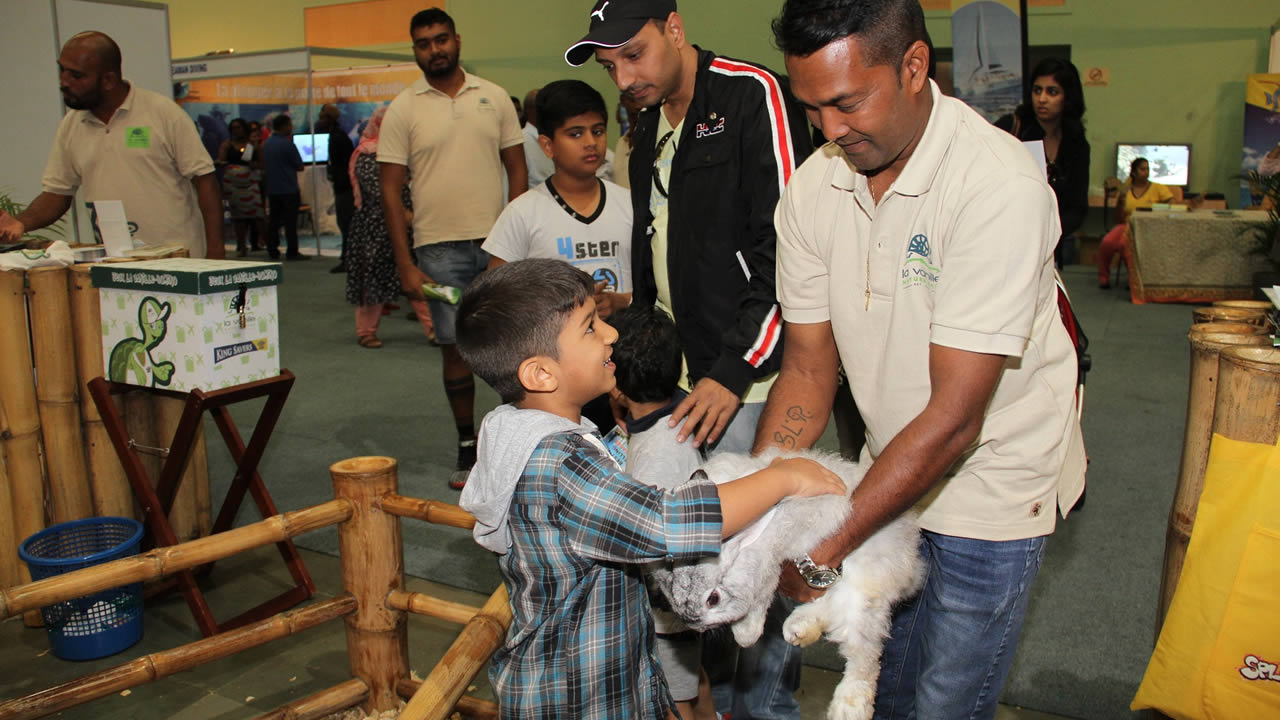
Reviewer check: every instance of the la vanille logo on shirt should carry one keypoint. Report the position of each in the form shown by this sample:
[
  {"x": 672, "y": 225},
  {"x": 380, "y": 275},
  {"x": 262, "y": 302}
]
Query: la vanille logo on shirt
[{"x": 919, "y": 270}]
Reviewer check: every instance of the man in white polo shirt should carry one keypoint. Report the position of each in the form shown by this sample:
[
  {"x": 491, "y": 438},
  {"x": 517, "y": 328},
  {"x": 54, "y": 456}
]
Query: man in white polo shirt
[
  {"x": 452, "y": 134},
  {"x": 917, "y": 248},
  {"x": 122, "y": 142}
]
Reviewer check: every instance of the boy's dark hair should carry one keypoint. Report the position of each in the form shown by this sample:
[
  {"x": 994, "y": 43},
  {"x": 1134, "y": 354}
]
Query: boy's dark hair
[
  {"x": 281, "y": 122},
  {"x": 646, "y": 354},
  {"x": 515, "y": 312},
  {"x": 561, "y": 100},
  {"x": 432, "y": 16},
  {"x": 884, "y": 28}
]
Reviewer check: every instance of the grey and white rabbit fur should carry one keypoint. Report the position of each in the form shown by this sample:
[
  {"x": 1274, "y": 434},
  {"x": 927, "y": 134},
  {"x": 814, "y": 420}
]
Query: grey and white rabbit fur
[{"x": 737, "y": 587}]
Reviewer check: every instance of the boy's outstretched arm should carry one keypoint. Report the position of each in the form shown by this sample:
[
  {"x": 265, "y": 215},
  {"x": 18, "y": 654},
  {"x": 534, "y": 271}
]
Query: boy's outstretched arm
[{"x": 747, "y": 498}]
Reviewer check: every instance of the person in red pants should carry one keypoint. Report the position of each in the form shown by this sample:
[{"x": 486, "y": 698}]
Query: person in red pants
[{"x": 1138, "y": 192}]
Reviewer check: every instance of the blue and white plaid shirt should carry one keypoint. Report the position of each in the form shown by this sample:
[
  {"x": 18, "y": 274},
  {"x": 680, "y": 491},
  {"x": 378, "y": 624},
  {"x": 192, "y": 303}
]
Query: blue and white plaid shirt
[{"x": 581, "y": 638}]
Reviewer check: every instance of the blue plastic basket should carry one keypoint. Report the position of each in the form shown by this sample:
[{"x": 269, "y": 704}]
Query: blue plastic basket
[{"x": 96, "y": 625}]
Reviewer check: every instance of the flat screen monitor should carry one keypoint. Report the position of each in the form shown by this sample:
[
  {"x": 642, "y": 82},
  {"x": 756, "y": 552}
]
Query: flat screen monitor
[
  {"x": 1170, "y": 162},
  {"x": 313, "y": 147}
]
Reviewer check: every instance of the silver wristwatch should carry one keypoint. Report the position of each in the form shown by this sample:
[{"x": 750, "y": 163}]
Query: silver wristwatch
[{"x": 818, "y": 577}]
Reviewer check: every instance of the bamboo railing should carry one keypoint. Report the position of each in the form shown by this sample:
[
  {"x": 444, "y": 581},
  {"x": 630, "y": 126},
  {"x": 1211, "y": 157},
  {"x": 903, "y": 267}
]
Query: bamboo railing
[{"x": 374, "y": 605}]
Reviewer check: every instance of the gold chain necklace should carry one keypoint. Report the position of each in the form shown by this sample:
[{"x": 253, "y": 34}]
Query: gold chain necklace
[{"x": 875, "y": 204}]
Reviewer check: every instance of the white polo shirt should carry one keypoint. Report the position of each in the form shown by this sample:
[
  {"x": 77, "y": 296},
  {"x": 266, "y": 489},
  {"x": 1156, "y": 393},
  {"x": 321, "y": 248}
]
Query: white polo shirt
[
  {"x": 145, "y": 156},
  {"x": 959, "y": 253},
  {"x": 451, "y": 146}
]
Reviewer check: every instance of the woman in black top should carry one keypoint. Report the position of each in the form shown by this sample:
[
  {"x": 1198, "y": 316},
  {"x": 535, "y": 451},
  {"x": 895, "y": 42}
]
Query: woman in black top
[{"x": 1056, "y": 116}]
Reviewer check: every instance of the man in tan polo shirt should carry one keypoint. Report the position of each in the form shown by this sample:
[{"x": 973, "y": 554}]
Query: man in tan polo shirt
[
  {"x": 451, "y": 135},
  {"x": 122, "y": 142},
  {"x": 917, "y": 248}
]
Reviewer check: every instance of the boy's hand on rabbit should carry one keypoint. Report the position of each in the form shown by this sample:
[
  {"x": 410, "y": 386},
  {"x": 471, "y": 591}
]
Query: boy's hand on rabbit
[{"x": 808, "y": 478}]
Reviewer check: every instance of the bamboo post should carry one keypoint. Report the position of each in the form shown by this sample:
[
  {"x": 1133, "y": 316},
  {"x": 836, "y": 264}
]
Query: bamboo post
[
  {"x": 468, "y": 655},
  {"x": 369, "y": 545},
  {"x": 10, "y": 564},
  {"x": 150, "y": 668},
  {"x": 107, "y": 482},
  {"x": 22, "y": 434},
  {"x": 321, "y": 704},
  {"x": 1214, "y": 313},
  {"x": 1206, "y": 345},
  {"x": 55, "y": 359},
  {"x": 1248, "y": 404},
  {"x": 183, "y": 516}
]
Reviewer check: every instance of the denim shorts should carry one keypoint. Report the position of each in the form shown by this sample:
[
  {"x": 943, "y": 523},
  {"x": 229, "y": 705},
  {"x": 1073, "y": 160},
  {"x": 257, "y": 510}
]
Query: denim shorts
[{"x": 455, "y": 264}]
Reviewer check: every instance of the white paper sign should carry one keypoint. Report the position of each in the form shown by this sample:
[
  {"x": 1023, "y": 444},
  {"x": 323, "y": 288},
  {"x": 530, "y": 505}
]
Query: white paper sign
[
  {"x": 113, "y": 226},
  {"x": 1036, "y": 148}
]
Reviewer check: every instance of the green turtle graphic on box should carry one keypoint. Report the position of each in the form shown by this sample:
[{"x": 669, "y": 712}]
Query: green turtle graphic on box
[{"x": 132, "y": 356}]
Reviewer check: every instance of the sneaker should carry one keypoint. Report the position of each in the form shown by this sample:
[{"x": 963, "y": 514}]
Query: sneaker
[{"x": 466, "y": 460}]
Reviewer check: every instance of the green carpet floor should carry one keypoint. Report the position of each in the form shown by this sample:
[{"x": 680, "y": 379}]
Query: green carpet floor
[{"x": 1089, "y": 630}]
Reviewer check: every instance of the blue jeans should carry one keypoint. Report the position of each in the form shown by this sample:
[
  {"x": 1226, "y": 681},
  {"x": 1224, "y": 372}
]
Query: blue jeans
[
  {"x": 759, "y": 682},
  {"x": 454, "y": 264},
  {"x": 951, "y": 646}
]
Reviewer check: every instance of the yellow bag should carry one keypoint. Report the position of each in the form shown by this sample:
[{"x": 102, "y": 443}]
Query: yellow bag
[{"x": 1219, "y": 651}]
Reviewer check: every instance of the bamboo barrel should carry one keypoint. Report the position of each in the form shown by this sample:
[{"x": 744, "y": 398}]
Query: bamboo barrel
[
  {"x": 1263, "y": 306},
  {"x": 107, "y": 482},
  {"x": 55, "y": 363},
  {"x": 183, "y": 516},
  {"x": 372, "y": 554},
  {"x": 1248, "y": 404},
  {"x": 1214, "y": 313},
  {"x": 22, "y": 431},
  {"x": 1206, "y": 345},
  {"x": 1234, "y": 328}
]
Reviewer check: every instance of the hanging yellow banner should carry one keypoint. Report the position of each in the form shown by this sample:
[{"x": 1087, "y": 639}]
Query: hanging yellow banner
[{"x": 357, "y": 85}]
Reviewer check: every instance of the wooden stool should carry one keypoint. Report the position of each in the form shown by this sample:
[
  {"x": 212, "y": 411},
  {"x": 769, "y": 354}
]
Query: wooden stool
[{"x": 157, "y": 502}]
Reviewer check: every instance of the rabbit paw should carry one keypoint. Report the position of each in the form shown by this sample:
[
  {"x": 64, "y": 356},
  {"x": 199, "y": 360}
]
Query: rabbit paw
[
  {"x": 853, "y": 700},
  {"x": 803, "y": 627}
]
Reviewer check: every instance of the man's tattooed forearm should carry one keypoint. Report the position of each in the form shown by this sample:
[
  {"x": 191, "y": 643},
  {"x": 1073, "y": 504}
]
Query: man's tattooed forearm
[{"x": 793, "y": 426}]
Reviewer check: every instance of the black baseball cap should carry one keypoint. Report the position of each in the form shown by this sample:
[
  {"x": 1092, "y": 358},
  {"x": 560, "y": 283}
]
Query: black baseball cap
[{"x": 614, "y": 23}]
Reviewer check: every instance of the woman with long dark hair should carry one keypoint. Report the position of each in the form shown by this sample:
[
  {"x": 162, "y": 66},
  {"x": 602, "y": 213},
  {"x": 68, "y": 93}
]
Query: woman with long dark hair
[{"x": 1055, "y": 115}]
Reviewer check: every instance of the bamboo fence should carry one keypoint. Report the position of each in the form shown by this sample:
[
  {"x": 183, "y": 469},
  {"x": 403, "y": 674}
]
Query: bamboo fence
[
  {"x": 57, "y": 462},
  {"x": 374, "y": 606}
]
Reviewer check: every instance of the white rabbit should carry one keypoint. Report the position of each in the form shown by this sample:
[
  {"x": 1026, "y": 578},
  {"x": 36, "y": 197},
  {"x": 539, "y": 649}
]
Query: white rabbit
[{"x": 737, "y": 587}]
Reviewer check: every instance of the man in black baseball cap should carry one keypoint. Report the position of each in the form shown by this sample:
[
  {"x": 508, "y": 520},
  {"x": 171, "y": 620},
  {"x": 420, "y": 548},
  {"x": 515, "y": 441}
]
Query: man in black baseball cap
[
  {"x": 714, "y": 146},
  {"x": 614, "y": 22}
]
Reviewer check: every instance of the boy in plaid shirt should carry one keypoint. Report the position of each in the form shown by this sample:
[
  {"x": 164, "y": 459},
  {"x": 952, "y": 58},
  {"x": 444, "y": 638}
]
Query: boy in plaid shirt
[{"x": 571, "y": 530}]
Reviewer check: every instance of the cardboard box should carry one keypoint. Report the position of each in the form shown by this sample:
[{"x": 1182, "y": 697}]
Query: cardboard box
[{"x": 183, "y": 323}]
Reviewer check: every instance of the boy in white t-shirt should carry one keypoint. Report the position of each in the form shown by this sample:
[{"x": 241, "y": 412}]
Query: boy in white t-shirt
[{"x": 573, "y": 216}]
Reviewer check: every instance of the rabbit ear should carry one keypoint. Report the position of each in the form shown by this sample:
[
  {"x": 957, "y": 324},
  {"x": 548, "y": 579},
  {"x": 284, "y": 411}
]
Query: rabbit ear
[{"x": 748, "y": 630}]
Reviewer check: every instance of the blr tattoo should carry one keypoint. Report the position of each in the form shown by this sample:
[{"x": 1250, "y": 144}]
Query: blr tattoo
[{"x": 792, "y": 427}]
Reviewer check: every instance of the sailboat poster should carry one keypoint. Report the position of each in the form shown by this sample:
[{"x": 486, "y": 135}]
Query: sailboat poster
[{"x": 987, "y": 39}]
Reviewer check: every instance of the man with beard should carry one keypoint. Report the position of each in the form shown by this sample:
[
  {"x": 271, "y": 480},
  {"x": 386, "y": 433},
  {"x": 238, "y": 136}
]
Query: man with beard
[
  {"x": 121, "y": 142},
  {"x": 453, "y": 134},
  {"x": 712, "y": 150}
]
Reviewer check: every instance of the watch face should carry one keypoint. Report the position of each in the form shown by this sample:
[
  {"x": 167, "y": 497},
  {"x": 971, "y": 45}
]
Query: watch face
[{"x": 822, "y": 579}]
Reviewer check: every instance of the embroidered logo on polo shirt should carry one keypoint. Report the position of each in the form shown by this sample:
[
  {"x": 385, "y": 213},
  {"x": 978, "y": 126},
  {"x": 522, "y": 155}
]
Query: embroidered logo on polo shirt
[
  {"x": 919, "y": 270},
  {"x": 485, "y": 105},
  {"x": 137, "y": 137}
]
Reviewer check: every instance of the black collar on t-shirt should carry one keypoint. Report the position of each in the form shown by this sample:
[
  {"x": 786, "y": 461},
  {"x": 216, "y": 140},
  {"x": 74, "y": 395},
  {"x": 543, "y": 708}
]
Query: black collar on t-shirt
[
  {"x": 635, "y": 425},
  {"x": 574, "y": 213}
]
